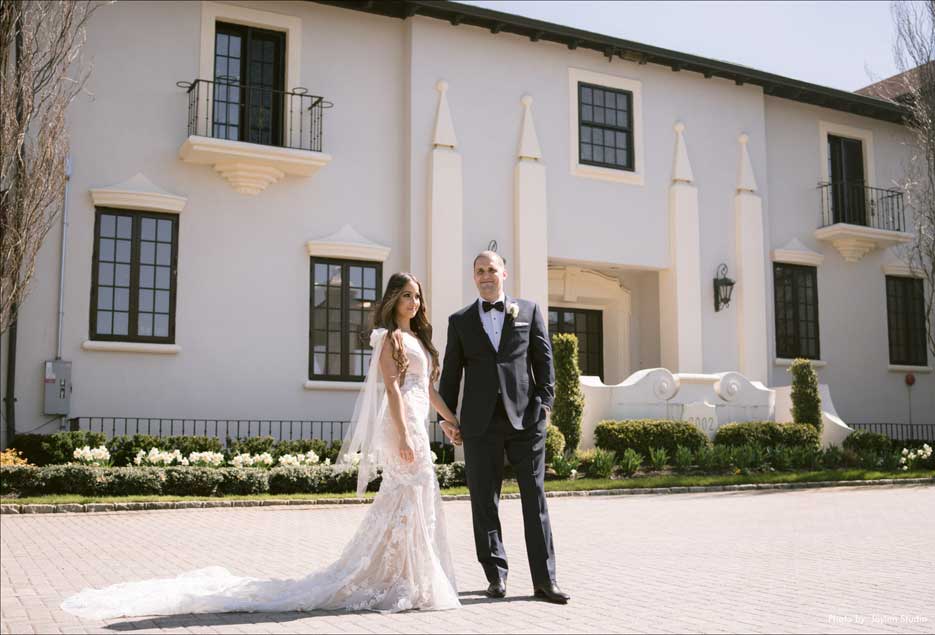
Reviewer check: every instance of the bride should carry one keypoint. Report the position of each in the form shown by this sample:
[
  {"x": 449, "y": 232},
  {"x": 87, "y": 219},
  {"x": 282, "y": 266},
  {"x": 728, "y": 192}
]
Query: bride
[{"x": 399, "y": 557}]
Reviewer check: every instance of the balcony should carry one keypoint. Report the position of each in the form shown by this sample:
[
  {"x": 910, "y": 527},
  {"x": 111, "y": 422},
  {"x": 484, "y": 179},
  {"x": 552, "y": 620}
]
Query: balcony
[
  {"x": 253, "y": 136},
  {"x": 857, "y": 219}
]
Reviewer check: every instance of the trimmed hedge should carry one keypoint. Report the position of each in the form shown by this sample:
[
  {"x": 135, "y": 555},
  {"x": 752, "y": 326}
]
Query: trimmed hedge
[
  {"x": 767, "y": 434},
  {"x": 57, "y": 448},
  {"x": 864, "y": 440},
  {"x": 806, "y": 402},
  {"x": 84, "y": 480},
  {"x": 644, "y": 434}
]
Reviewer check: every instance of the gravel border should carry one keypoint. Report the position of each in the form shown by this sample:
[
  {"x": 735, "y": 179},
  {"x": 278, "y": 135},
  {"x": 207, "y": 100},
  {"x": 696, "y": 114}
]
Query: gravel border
[{"x": 634, "y": 491}]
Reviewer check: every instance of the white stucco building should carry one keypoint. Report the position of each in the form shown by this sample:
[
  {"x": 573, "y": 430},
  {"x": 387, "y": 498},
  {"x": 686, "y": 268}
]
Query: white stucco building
[{"x": 226, "y": 235}]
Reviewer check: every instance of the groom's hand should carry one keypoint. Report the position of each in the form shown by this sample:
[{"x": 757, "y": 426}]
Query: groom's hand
[{"x": 452, "y": 431}]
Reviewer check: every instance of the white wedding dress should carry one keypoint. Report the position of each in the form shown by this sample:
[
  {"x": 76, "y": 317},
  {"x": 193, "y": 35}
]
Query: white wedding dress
[{"x": 397, "y": 560}]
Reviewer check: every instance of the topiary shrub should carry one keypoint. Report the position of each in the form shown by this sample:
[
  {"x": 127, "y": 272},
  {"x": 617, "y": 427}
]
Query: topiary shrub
[
  {"x": 554, "y": 443},
  {"x": 806, "y": 403},
  {"x": 643, "y": 434},
  {"x": 569, "y": 401}
]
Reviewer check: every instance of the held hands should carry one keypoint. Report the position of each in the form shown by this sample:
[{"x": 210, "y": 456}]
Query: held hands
[{"x": 452, "y": 430}]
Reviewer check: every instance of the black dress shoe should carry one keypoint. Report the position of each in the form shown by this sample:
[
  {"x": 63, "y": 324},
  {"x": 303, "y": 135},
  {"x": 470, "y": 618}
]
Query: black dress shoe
[
  {"x": 552, "y": 593},
  {"x": 497, "y": 589}
]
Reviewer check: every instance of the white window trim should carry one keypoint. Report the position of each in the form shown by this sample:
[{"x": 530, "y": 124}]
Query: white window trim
[
  {"x": 347, "y": 243},
  {"x": 795, "y": 253},
  {"x": 899, "y": 368},
  {"x": 901, "y": 270},
  {"x": 138, "y": 193},
  {"x": 840, "y": 130},
  {"x": 636, "y": 177},
  {"x": 211, "y": 12},
  {"x": 131, "y": 347},
  {"x": 318, "y": 384}
]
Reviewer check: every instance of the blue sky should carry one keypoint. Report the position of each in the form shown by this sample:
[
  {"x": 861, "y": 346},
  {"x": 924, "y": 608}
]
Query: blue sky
[{"x": 829, "y": 43}]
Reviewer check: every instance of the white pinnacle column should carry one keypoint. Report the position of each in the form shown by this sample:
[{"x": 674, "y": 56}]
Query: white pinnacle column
[
  {"x": 530, "y": 234},
  {"x": 750, "y": 293},
  {"x": 680, "y": 284},
  {"x": 446, "y": 264}
]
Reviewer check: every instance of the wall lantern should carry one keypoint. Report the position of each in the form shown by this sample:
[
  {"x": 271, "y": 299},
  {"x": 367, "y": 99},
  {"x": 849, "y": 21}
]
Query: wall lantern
[{"x": 723, "y": 287}]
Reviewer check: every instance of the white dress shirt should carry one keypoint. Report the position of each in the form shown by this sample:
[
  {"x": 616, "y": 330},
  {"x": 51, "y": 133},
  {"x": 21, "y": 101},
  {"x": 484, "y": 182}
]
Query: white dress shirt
[{"x": 492, "y": 321}]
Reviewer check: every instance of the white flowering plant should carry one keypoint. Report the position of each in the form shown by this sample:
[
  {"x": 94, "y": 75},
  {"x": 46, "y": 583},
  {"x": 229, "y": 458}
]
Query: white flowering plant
[
  {"x": 206, "y": 459},
  {"x": 92, "y": 456},
  {"x": 295, "y": 460},
  {"x": 263, "y": 460},
  {"x": 910, "y": 458},
  {"x": 159, "y": 458}
]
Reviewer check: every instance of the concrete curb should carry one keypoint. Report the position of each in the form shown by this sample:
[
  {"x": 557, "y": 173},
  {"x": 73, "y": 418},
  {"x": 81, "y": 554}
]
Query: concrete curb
[{"x": 120, "y": 507}]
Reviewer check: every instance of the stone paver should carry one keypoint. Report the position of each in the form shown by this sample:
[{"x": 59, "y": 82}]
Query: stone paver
[{"x": 842, "y": 560}]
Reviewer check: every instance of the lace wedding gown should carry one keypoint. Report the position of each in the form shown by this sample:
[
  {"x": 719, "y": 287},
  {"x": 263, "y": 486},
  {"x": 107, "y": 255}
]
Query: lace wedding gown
[{"x": 397, "y": 560}]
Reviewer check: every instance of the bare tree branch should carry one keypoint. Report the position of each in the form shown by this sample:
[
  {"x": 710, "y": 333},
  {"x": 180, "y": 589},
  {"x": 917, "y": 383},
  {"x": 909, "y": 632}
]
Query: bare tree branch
[
  {"x": 40, "y": 46},
  {"x": 914, "y": 52}
]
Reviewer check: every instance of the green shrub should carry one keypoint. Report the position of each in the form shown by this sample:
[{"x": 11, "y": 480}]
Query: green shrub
[
  {"x": 746, "y": 457},
  {"x": 137, "y": 481},
  {"x": 780, "y": 457},
  {"x": 245, "y": 481},
  {"x": 861, "y": 440},
  {"x": 805, "y": 458},
  {"x": 630, "y": 462},
  {"x": 569, "y": 402},
  {"x": 806, "y": 403},
  {"x": 21, "y": 479},
  {"x": 249, "y": 445},
  {"x": 450, "y": 475},
  {"x": 766, "y": 434},
  {"x": 60, "y": 447},
  {"x": 76, "y": 479},
  {"x": 31, "y": 447},
  {"x": 124, "y": 449},
  {"x": 832, "y": 458},
  {"x": 192, "y": 481},
  {"x": 684, "y": 458},
  {"x": 554, "y": 443},
  {"x": 596, "y": 463},
  {"x": 720, "y": 458},
  {"x": 643, "y": 434},
  {"x": 565, "y": 465},
  {"x": 889, "y": 461},
  {"x": 658, "y": 458}
]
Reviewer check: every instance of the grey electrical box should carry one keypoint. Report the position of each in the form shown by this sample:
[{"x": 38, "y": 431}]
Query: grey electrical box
[{"x": 57, "y": 378}]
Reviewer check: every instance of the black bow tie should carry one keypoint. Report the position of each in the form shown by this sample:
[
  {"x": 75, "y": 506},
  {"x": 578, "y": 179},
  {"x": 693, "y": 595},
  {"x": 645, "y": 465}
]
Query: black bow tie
[{"x": 498, "y": 305}]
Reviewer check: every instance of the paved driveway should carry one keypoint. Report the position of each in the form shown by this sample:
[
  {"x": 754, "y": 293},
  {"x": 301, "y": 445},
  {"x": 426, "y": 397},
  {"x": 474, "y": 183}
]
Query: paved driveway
[{"x": 813, "y": 561}]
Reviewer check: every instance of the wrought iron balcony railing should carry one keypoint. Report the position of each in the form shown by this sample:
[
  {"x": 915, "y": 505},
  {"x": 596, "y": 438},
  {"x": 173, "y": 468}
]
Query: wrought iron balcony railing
[
  {"x": 227, "y": 109},
  {"x": 857, "y": 204}
]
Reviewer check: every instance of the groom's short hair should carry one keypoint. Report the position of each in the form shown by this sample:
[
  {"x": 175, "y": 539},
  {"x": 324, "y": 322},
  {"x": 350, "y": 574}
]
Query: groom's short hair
[{"x": 491, "y": 255}]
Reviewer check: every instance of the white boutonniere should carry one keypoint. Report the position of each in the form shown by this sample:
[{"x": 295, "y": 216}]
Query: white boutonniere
[{"x": 513, "y": 310}]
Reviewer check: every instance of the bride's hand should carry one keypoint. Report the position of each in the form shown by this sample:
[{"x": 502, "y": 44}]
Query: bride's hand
[{"x": 406, "y": 453}]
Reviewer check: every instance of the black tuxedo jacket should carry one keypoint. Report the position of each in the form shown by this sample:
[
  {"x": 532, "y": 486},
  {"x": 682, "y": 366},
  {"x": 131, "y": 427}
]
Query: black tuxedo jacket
[{"x": 521, "y": 370}]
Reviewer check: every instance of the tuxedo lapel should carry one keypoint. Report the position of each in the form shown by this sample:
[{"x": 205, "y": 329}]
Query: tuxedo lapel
[
  {"x": 478, "y": 326},
  {"x": 507, "y": 322}
]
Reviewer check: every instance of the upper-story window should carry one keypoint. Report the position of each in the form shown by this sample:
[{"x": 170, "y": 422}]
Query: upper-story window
[
  {"x": 134, "y": 276},
  {"x": 846, "y": 169},
  {"x": 905, "y": 318},
  {"x": 796, "y": 289},
  {"x": 605, "y": 123},
  {"x": 249, "y": 75}
]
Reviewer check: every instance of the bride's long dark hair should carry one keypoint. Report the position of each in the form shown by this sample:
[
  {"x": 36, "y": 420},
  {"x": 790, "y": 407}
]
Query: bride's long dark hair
[{"x": 384, "y": 315}]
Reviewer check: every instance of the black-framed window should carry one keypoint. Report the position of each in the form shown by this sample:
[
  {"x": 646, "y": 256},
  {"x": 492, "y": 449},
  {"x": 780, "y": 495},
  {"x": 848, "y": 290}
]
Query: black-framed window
[
  {"x": 343, "y": 294},
  {"x": 133, "y": 281},
  {"x": 588, "y": 326},
  {"x": 249, "y": 75},
  {"x": 796, "y": 295},
  {"x": 605, "y": 127},
  {"x": 905, "y": 318}
]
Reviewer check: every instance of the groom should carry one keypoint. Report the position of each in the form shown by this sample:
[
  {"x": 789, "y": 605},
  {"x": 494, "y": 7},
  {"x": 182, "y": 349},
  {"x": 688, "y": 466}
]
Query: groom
[{"x": 502, "y": 347}]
